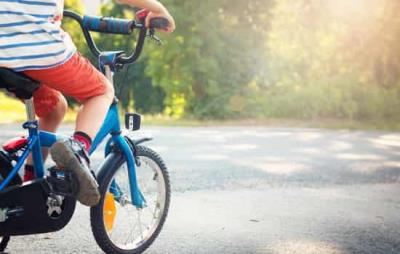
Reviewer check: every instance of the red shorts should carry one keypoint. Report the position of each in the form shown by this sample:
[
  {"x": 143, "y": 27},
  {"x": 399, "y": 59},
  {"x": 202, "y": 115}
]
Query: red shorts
[{"x": 77, "y": 78}]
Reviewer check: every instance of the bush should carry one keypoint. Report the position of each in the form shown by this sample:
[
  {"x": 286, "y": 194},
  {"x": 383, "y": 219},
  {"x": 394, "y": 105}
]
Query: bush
[{"x": 345, "y": 100}]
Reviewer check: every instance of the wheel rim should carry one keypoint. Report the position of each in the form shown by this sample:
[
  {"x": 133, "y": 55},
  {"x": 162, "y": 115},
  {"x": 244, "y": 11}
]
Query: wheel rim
[{"x": 127, "y": 227}]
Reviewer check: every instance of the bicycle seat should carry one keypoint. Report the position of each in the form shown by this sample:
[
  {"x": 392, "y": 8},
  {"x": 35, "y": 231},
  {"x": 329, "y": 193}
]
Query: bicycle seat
[{"x": 18, "y": 83}]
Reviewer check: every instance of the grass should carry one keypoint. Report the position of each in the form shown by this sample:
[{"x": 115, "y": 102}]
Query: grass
[{"x": 13, "y": 111}]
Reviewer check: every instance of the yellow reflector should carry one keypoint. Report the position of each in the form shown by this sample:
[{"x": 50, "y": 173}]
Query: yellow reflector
[{"x": 109, "y": 211}]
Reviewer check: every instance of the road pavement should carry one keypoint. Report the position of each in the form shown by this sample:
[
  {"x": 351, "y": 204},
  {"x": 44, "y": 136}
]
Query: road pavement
[{"x": 262, "y": 190}]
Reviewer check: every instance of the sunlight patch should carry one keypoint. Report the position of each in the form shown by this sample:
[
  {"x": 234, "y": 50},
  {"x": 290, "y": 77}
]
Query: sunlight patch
[
  {"x": 239, "y": 147},
  {"x": 387, "y": 140},
  {"x": 371, "y": 167},
  {"x": 308, "y": 136},
  {"x": 354, "y": 156},
  {"x": 281, "y": 168},
  {"x": 392, "y": 164},
  {"x": 339, "y": 146},
  {"x": 304, "y": 247},
  {"x": 210, "y": 157},
  {"x": 310, "y": 151},
  {"x": 266, "y": 134}
]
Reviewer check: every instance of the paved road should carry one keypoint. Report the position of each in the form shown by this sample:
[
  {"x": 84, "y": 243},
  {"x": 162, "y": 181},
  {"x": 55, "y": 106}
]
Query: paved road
[{"x": 264, "y": 190}]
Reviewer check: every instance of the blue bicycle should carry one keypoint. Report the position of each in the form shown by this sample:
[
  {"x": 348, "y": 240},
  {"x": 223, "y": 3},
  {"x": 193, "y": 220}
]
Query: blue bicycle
[{"x": 133, "y": 179}]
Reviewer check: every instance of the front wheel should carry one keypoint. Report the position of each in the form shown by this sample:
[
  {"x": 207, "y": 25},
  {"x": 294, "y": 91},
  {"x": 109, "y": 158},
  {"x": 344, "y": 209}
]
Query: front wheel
[
  {"x": 118, "y": 226},
  {"x": 3, "y": 242}
]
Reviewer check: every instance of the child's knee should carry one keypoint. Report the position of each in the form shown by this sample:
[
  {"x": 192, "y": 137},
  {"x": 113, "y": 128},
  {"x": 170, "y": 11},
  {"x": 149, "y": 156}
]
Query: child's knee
[
  {"x": 58, "y": 111},
  {"x": 49, "y": 103}
]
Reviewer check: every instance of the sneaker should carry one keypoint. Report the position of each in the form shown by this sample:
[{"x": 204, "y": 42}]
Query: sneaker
[{"x": 70, "y": 155}]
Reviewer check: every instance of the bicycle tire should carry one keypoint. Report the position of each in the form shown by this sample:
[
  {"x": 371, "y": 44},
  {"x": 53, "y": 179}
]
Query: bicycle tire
[
  {"x": 4, "y": 242},
  {"x": 96, "y": 214},
  {"x": 3, "y": 239}
]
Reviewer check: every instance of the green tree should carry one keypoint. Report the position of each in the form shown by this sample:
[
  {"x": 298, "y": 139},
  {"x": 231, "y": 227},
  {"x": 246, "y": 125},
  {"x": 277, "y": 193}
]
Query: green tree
[{"x": 212, "y": 54}]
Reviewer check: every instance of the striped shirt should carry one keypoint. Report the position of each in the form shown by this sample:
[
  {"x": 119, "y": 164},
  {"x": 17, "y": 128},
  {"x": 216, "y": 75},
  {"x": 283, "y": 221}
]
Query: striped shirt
[{"x": 30, "y": 35}]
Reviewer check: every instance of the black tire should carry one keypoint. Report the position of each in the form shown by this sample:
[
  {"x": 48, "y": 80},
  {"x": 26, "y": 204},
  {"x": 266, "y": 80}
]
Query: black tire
[
  {"x": 4, "y": 242},
  {"x": 96, "y": 213},
  {"x": 16, "y": 180}
]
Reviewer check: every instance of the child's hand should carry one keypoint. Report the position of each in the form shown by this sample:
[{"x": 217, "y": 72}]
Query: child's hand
[
  {"x": 164, "y": 14},
  {"x": 157, "y": 10}
]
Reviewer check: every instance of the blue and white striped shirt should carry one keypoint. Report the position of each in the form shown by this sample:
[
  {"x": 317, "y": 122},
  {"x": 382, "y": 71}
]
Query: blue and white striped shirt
[{"x": 30, "y": 34}]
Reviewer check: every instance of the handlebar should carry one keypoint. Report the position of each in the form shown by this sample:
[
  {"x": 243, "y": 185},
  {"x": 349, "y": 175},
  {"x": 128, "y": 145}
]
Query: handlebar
[
  {"x": 159, "y": 23},
  {"x": 117, "y": 26},
  {"x": 108, "y": 25}
]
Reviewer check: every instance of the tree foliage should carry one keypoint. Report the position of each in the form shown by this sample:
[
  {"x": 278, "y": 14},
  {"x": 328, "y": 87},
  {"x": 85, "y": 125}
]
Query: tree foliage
[
  {"x": 332, "y": 59},
  {"x": 213, "y": 52},
  {"x": 72, "y": 27},
  {"x": 266, "y": 58}
]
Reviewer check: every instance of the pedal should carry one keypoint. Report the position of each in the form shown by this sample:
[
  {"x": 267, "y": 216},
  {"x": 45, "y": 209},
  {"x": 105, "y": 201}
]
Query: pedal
[
  {"x": 5, "y": 214},
  {"x": 63, "y": 183},
  {"x": 132, "y": 121}
]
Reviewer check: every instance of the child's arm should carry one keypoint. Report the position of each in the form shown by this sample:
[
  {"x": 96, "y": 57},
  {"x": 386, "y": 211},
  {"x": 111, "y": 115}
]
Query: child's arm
[{"x": 155, "y": 8}]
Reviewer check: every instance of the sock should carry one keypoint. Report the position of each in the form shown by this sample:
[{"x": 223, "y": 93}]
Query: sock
[
  {"x": 29, "y": 173},
  {"x": 84, "y": 139}
]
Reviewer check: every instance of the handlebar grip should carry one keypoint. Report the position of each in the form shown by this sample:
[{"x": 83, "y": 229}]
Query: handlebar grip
[
  {"x": 108, "y": 25},
  {"x": 159, "y": 23}
]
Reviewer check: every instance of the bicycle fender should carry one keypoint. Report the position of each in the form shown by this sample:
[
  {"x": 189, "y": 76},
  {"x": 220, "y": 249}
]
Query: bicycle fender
[{"x": 132, "y": 144}]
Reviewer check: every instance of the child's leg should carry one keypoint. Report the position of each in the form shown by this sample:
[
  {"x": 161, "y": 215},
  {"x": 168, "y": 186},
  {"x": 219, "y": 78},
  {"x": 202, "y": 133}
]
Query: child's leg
[
  {"x": 50, "y": 107},
  {"x": 92, "y": 113},
  {"x": 81, "y": 80},
  {"x": 52, "y": 120}
]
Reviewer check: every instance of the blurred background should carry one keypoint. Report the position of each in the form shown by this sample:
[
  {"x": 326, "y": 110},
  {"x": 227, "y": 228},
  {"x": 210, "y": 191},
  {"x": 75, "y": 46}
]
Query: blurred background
[{"x": 325, "y": 62}]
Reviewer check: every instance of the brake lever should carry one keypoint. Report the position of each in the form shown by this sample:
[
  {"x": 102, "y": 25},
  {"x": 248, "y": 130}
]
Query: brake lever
[{"x": 152, "y": 36}]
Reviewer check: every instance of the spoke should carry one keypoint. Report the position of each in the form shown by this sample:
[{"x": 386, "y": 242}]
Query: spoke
[
  {"x": 149, "y": 211},
  {"x": 140, "y": 224},
  {"x": 155, "y": 177},
  {"x": 153, "y": 211},
  {"x": 153, "y": 217},
  {"x": 132, "y": 232},
  {"x": 129, "y": 237}
]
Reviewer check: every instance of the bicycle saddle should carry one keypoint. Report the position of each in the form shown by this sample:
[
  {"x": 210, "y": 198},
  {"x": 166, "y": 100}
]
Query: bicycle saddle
[{"x": 18, "y": 83}]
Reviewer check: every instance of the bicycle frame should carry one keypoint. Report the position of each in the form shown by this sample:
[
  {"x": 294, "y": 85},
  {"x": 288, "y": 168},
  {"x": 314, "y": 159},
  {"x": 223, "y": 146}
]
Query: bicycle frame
[{"x": 38, "y": 139}]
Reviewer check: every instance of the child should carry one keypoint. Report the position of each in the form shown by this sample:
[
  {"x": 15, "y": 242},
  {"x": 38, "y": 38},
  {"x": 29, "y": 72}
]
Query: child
[{"x": 32, "y": 42}]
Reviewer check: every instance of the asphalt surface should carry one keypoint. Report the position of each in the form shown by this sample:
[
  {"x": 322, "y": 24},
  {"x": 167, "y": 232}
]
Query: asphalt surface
[{"x": 263, "y": 190}]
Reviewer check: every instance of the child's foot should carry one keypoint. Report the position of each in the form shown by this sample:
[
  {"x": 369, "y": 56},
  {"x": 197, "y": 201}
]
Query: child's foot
[{"x": 69, "y": 154}]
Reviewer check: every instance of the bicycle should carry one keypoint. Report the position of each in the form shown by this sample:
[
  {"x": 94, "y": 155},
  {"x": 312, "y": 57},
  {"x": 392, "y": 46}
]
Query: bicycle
[{"x": 133, "y": 179}]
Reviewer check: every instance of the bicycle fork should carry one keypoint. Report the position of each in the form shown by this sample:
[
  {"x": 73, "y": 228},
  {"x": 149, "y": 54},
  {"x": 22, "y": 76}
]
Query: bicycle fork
[{"x": 138, "y": 199}]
